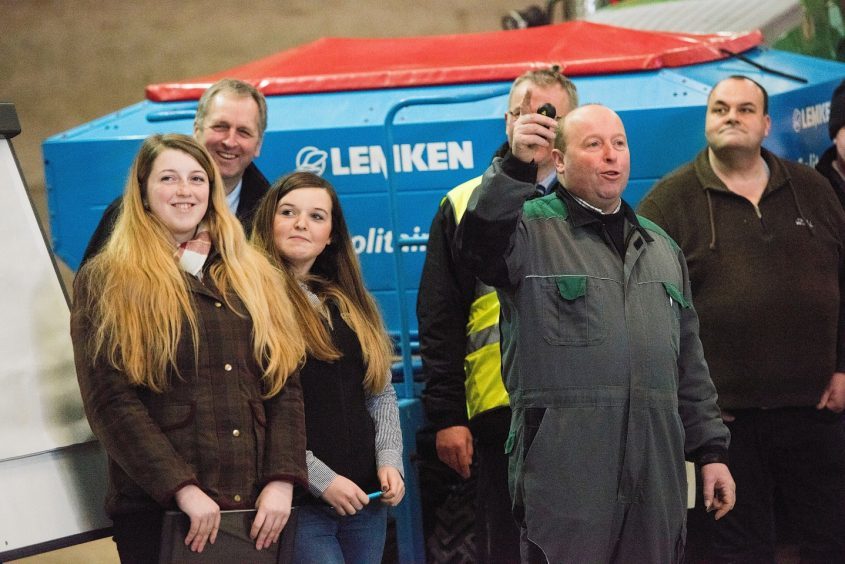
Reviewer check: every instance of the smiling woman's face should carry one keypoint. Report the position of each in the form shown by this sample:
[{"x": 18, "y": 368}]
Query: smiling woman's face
[
  {"x": 302, "y": 227},
  {"x": 177, "y": 193}
]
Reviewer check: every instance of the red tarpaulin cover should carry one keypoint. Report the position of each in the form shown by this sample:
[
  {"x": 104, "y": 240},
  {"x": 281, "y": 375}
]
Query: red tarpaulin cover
[{"x": 580, "y": 48}]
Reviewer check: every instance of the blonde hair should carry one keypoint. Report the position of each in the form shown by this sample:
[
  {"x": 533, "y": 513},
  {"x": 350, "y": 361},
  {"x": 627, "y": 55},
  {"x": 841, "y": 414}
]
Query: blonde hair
[
  {"x": 335, "y": 275},
  {"x": 547, "y": 78},
  {"x": 138, "y": 297}
]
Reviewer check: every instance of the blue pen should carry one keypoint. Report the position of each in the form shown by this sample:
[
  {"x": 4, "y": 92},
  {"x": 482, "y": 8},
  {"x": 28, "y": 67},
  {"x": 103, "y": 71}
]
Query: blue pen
[{"x": 375, "y": 495}]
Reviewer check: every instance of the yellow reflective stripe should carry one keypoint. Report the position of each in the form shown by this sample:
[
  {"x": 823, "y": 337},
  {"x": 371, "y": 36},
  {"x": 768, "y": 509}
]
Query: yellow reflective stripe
[
  {"x": 459, "y": 196},
  {"x": 483, "y": 313},
  {"x": 488, "y": 392},
  {"x": 482, "y": 363}
]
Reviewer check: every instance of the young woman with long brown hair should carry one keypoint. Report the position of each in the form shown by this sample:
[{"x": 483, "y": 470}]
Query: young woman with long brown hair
[{"x": 353, "y": 437}]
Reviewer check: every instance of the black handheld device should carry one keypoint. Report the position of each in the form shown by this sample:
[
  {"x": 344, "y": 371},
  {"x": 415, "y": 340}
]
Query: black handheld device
[{"x": 547, "y": 110}]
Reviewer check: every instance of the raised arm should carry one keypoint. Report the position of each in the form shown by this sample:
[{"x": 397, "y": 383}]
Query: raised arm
[{"x": 487, "y": 234}]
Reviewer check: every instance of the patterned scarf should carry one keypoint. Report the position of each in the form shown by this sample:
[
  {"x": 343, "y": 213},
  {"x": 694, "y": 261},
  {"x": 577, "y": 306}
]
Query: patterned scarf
[{"x": 193, "y": 254}]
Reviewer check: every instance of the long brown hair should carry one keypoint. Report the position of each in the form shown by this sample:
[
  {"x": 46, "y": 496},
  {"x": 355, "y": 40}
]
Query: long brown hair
[
  {"x": 138, "y": 296},
  {"x": 335, "y": 275}
]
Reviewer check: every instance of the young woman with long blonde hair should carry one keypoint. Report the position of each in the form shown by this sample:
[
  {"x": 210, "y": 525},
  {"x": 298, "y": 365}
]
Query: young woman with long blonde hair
[{"x": 187, "y": 355}]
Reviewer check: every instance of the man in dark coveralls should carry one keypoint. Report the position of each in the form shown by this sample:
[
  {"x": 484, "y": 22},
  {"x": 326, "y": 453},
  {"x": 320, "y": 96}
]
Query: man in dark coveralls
[{"x": 608, "y": 385}]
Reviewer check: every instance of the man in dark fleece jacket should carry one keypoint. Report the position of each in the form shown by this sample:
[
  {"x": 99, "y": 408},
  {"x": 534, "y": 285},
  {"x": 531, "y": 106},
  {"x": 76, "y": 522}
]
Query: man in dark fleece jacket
[{"x": 765, "y": 243}]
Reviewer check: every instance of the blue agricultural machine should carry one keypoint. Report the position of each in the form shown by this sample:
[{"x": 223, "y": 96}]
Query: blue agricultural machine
[{"x": 395, "y": 123}]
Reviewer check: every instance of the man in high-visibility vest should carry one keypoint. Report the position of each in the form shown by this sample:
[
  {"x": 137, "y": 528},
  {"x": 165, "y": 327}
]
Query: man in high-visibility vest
[{"x": 465, "y": 399}]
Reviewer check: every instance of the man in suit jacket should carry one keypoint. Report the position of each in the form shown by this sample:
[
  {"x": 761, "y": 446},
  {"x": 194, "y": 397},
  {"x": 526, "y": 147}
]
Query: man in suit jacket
[{"x": 230, "y": 121}]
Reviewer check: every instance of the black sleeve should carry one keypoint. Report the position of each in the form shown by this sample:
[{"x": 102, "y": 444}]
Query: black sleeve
[
  {"x": 103, "y": 231},
  {"x": 443, "y": 303},
  {"x": 487, "y": 231},
  {"x": 836, "y": 219}
]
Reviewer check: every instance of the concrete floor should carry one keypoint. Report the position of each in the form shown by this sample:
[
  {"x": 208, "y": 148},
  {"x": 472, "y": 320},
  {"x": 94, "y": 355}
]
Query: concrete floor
[{"x": 95, "y": 552}]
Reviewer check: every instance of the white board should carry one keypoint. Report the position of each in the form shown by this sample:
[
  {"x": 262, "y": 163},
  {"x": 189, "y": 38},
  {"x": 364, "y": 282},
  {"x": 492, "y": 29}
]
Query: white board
[
  {"x": 40, "y": 402},
  {"x": 52, "y": 473}
]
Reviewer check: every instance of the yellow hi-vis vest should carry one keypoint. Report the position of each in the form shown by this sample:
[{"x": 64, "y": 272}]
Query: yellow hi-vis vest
[{"x": 483, "y": 360}]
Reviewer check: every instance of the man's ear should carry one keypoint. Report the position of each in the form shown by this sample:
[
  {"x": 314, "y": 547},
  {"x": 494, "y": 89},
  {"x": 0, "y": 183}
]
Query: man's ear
[
  {"x": 557, "y": 157},
  {"x": 258, "y": 148}
]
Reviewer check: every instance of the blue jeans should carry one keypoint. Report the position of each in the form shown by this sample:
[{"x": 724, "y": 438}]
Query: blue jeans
[{"x": 324, "y": 537}]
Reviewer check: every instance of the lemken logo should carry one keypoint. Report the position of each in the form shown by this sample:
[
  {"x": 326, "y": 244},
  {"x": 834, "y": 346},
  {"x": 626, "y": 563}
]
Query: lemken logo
[
  {"x": 810, "y": 116},
  {"x": 370, "y": 159},
  {"x": 311, "y": 159}
]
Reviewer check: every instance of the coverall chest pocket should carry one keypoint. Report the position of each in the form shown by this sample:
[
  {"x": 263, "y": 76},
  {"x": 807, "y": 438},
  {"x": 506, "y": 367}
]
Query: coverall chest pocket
[
  {"x": 674, "y": 301},
  {"x": 573, "y": 310}
]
